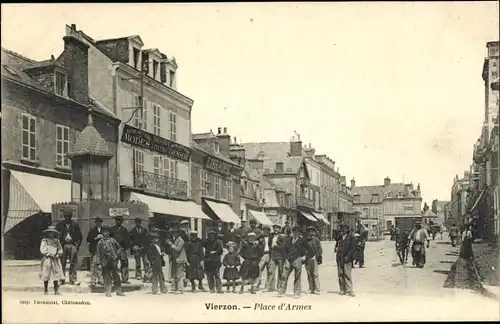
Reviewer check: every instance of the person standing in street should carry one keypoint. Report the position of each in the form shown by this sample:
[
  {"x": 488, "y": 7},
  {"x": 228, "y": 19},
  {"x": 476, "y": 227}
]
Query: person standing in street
[
  {"x": 363, "y": 237},
  {"x": 71, "y": 239},
  {"x": 453, "y": 235},
  {"x": 232, "y": 235},
  {"x": 287, "y": 229},
  {"x": 254, "y": 229},
  {"x": 251, "y": 252},
  {"x": 314, "y": 260},
  {"x": 139, "y": 243},
  {"x": 194, "y": 268},
  {"x": 231, "y": 264},
  {"x": 121, "y": 235},
  {"x": 344, "y": 248},
  {"x": 108, "y": 251},
  {"x": 155, "y": 256},
  {"x": 51, "y": 268},
  {"x": 178, "y": 260},
  {"x": 278, "y": 241},
  {"x": 93, "y": 237},
  {"x": 213, "y": 252},
  {"x": 265, "y": 260},
  {"x": 466, "y": 245},
  {"x": 296, "y": 251},
  {"x": 419, "y": 236},
  {"x": 185, "y": 230}
]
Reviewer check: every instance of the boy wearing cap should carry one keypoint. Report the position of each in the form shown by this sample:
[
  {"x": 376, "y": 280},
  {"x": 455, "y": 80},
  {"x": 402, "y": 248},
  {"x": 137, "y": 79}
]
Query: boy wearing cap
[
  {"x": 93, "y": 237},
  {"x": 121, "y": 235},
  {"x": 297, "y": 251},
  {"x": 315, "y": 259},
  {"x": 155, "y": 256},
  {"x": 108, "y": 251},
  {"x": 213, "y": 252},
  {"x": 71, "y": 238},
  {"x": 139, "y": 242}
]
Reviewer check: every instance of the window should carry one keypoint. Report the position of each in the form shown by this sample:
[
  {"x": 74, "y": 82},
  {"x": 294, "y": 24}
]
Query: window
[
  {"x": 145, "y": 62},
  {"x": 217, "y": 186},
  {"x": 60, "y": 84},
  {"x": 141, "y": 115},
  {"x": 137, "y": 54},
  {"x": 229, "y": 189},
  {"x": 216, "y": 148},
  {"x": 157, "y": 164},
  {"x": 172, "y": 76},
  {"x": 62, "y": 144},
  {"x": 400, "y": 194},
  {"x": 156, "y": 120},
  {"x": 494, "y": 74},
  {"x": 389, "y": 195},
  {"x": 172, "y": 120},
  {"x": 173, "y": 169},
  {"x": 155, "y": 68},
  {"x": 204, "y": 182},
  {"x": 29, "y": 137},
  {"x": 138, "y": 160}
]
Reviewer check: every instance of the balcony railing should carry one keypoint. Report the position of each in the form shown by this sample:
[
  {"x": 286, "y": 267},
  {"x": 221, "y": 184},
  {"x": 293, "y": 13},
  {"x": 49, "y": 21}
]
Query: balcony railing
[
  {"x": 305, "y": 202},
  {"x": 173, "y": 188}
]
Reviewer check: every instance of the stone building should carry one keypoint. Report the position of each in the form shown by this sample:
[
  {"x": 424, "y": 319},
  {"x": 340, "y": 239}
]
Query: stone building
[
  {"x": 329, "y": 192},
  {"x": 458, "y": 206},
  {"x": 44, "y": 107},
  {"x": 215, "y": 178}
]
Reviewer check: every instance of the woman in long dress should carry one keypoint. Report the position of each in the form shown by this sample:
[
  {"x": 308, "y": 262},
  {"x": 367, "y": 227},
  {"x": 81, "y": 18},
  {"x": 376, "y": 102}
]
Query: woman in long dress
[
  {"x": 50, "y": 267},
  {"x": 466, "y": 247}
]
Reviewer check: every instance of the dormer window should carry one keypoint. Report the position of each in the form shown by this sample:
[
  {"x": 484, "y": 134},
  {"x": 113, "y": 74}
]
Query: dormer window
[
  {"x": 172, "y": 76},
  {"x": 60, "y": 84},
  {"x": 155, "y": 68},
  {"x": 137, "y": 55},
  {"x": 216, "y": 148},
  {"x": 389, "y": 195},
  {"x": 400, "y": 194},
  {"x": 145, "y": 62}
]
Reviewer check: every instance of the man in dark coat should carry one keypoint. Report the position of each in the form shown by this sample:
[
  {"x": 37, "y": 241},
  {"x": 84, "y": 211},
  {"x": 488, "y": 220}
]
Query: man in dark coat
[
  {"x": 314, "y": 260},
  {"x": 71, "y": 238},
  {"x": 108, "y": 250},
  {"x": 345, "y": 247},
  {"x": 155, "y": 256},
  {"x": 254, "y": 229},
  {"x": 362, "y": 238},
  {"x": 278, "y": 242},
  {"x": 232, "y": 235},
  {"x": 121, "y": 235},
  {"x": 93, "y": 237},
  {"x": 212, "y": 261},
  {"x": 139, "y": 243},
  {"x": 297, "y": 251}
]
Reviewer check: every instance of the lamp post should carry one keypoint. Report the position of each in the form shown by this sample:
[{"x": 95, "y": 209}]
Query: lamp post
[{"x": 495, "y": 87}]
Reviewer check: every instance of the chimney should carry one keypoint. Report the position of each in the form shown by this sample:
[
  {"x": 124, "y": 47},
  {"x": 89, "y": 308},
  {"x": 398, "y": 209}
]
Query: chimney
[
  {"x": 73, "y": 27},
  {"x": 279, "y": 167},
  {"x": 353, "y": 183},
  {"x": 224, "y": 141},
  {"x": 387, "y": 181},
  {"x": 296, "y": 147},
  {"x": 235, "y": 142},
  {"x": 75, "y": 60},
  {"x": 260, "y": 156}
]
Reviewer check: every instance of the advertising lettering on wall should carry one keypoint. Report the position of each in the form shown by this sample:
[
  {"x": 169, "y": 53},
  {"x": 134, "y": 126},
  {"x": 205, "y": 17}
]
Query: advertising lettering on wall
[
  {"x": 138, "y": 137},
  {"x": 217, "y": 165}
]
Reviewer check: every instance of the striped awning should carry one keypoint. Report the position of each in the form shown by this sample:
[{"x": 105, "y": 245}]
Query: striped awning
[
  {"x": 30, "y": 194},
  {"x": 476, "y": 203},
  {"x": 224, "y": 212},
  {"x": 321, "y": 218},
  {"x": 308, "y": 216},
  {"x": 261, "y": 218},
  {"x": 171, "y": 207}
]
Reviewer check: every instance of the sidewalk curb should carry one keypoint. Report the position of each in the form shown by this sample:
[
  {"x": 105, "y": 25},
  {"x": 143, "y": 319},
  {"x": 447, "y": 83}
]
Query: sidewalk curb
[
  {"x": 70, "y": 289},
  {"x": 482, "y": 289}
]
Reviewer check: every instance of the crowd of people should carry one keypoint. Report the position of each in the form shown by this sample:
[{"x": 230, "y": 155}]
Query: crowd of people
[{"x": 244, "y": 253}]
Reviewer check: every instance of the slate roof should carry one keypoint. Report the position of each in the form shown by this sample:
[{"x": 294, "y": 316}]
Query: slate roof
[
  {"x": 366, "y": 192},
  {"x": 13, "y": 66},
  {"x": 219, "y": 156},
  {"x": 274, "y": 152},
  {"x": 269, "y": 184},
  {"x": 201, "y": 136},
  {"x": 429, "y": 214},
  {"x": 90, "y": 142}
]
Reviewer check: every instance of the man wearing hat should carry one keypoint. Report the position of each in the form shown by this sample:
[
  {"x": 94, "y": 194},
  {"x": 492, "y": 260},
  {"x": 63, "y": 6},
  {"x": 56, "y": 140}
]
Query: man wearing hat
[
  {"x": 194, "y": 254},
  {"x": 212, "y": 261},
  {"x": 315, "y": 259},
  {"x": 232, "y": 235},
  {"x": 108, "y": 251},
  {"x": 139, "y": 242},
  {"x": 93, "y": 237},
  {"x": 297, "y": 251},
  {"x": 278, "y": 242},
  {"x": 345, "y": 247},
  {"x": 155, "y": 256},
  {"x": 121, "y": 235},
  {"x": 265, "y": 260},
  {"x": 287, "y": 229},
  {"x": 178, "y": 260},
  {"x": 71, "y": 238},
  {"x": 254, "y": 229},
  {"x": 184, "y": 225}
]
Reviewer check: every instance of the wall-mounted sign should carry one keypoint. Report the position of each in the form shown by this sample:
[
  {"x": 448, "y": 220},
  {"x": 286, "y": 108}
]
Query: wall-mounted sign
[
  {"x": 138, "y": 137},
  {"x": 408, "y": 208},
  {"x": 217, "y": 165},
  {"x": 113, "y": 212},
  {"x": 68, "y": 208}
]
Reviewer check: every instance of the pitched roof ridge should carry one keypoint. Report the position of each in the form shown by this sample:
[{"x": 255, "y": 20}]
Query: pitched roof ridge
[{"x": 19, "y": 55}]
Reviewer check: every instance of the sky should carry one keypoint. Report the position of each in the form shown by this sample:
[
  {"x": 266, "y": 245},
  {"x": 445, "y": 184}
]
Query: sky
[{"x": 384, "y": 89}]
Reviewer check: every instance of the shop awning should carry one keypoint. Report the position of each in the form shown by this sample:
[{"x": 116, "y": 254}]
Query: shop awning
[
  {"x": 308, "y": 216},
  {"x": 171, "y": 207},
  {"x": 224, "y": 212},
  {"x": 261, "y": 218},
  {"x": 477, "y": 201},
  {"x": 321, "y": 218},
  {"x": 31, "y": 193}
]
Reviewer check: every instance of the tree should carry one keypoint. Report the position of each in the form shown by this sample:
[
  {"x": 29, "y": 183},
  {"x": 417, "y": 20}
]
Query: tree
[
  {"x": 426, "y": 208},
  {"x": 434, "y": 207}
]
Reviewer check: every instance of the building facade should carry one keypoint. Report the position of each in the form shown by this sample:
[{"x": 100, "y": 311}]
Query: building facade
[
  {"x": 458, "y": 205},
  {"x": 37, "y": 135},
  {"x": 329, "y": 191}
]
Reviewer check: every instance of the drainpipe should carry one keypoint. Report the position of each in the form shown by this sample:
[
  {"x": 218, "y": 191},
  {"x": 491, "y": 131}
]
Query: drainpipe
[{"x": 114, "y": 68}]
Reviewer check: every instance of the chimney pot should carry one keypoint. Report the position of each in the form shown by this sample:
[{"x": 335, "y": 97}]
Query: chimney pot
[
  {"x": 73, "y": 27},
  {"x": 52, "y": 57},
  {"x": 225, "y": 130},
  {"x": 235, "y": 142},
  {"x": 219, "y": 130},
  {"x": 298, "y": 137}
]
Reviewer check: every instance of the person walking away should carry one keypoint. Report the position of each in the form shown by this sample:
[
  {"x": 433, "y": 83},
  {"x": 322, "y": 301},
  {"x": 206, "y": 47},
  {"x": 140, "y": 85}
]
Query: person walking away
[
  {"x": 178, "y": 260},
  {"x": 296, "y": 251},
  {"x": 466, "y": 245},
  {"x": 93, "y": 237},
  {"x": 419, "y": 236},
  {"x": 213, "y": 252},
  {"x": 265, "y": 260},
  {"x": 71, "y": 238},
  {"x": 402, "y": 247},
  {"x": 344, "y": 249},
  {"x": 50, "y": 266},
  {"x": 363, "y": 238},
  {"x": 453, "y": 235},
  {"x": 314, "y": 260},
  {"x": 155, "y": 257},
  {"x": 231, "y": 263},
  {"x": 251, "y": 252},
  {"x": 278, "y": 242},
  {"x": 108, "y": 251},
  {"x": 139, "y": 243},
  {"x": 122, "y": 236},
  {"x": 194, "y": 254}
]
